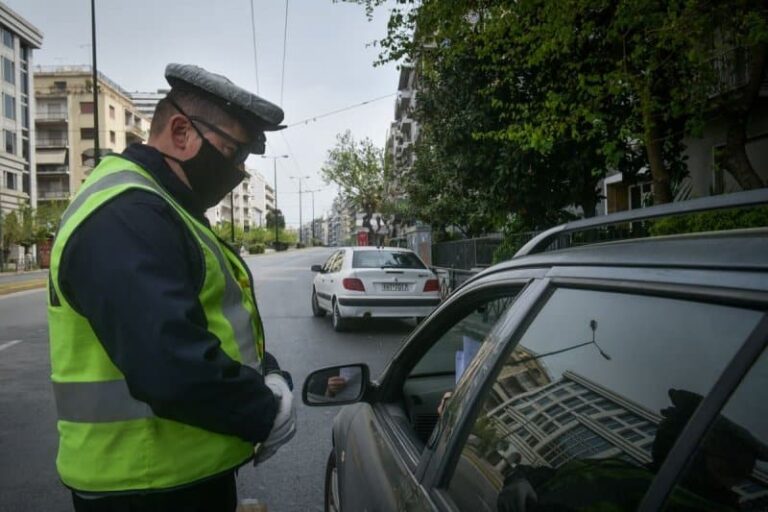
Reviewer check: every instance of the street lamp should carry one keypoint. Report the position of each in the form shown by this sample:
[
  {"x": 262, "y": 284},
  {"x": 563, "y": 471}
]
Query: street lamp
[
  {"x": 274, "y": 162},
  {"x": 313, "y": 212},
  {"x": 300, "y": 178}
]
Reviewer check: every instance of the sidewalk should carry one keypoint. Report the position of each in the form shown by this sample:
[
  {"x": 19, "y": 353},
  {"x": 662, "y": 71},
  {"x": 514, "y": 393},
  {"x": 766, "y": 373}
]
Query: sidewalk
[{"x": 12, "y": 282}]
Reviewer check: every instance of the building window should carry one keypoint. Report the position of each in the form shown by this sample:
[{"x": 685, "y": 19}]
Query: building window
[
  {"x": 112, "y": 137},
  {"x": 10, "y": 142},
  {"x": 111, "y": 112},
  {"x": 86, "y": 107},
  {"x": 87, "y": 133},
  {"x": 11, "y": 181},
  {"x": 9, "y": 71},
  {"x": 25, "y": 116},
  {"x": 60, "y": 85},
  {"x": 7, "y": 37},
  {"x": 24, "y": 53},
  {"x": 9, "y": 106},
  {"x": 24, "y": 81}
]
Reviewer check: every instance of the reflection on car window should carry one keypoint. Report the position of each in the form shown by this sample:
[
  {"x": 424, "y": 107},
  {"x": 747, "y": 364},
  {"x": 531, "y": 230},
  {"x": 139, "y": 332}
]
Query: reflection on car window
[
  {"x": 730, "y": 467},
  {"x": 448, "y": 359},
  {"x": 385, "y": 259},
  {"x": 573, "y": 418}
]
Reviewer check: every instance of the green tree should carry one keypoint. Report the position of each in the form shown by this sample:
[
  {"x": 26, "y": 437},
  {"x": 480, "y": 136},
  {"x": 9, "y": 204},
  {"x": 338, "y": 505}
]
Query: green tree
[
  {"x": 11, "y": 233},
  {"x": 270, "y": 220},
  {"x": 357, "y": 167},
  {"x": 577, "y": 87},
  {"x": 47, "y": 218}
]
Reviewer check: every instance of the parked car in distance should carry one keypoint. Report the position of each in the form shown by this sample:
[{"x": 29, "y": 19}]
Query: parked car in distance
[
  {"x": 628, "y": 375},
  {"x": 366, "y": 282}
]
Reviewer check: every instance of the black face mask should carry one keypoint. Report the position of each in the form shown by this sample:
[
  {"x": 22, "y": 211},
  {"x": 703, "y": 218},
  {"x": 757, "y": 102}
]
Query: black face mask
[{"x": 210, "y": 174}]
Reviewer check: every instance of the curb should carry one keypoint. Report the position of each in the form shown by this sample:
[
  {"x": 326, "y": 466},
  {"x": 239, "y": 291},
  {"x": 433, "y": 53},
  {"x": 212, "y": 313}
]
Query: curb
[{"x": 7, "y": 289}]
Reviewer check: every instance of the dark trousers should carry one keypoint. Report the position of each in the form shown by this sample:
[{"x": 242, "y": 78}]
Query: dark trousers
[{"x": 216, "y": 495}]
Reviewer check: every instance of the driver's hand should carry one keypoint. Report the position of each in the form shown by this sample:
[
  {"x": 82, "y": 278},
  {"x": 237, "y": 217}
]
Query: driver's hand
[{"x": 334, "y": 385}]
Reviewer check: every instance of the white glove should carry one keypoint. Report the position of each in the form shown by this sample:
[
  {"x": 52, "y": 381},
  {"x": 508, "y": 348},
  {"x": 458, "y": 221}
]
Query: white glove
[{"x": 284, "y": 427}]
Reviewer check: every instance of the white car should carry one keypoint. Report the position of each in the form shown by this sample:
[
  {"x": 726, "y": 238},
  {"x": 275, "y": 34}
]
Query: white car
[{"x": 364, "y": 282}]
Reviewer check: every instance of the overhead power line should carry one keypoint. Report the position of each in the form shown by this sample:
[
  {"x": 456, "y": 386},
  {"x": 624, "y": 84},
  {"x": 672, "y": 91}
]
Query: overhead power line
[
  {"x": 334, "y": 112},
  {"x": 255, "y": 59},
  {"x": 285, "y": 46}
]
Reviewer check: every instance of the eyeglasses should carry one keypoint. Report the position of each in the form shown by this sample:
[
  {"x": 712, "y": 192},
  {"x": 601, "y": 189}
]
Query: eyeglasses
[{"x": 242, "y": 149}]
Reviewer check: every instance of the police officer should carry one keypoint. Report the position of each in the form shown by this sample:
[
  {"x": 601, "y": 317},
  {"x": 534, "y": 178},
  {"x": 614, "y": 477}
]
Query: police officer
[{"x": 163, "y": 388}]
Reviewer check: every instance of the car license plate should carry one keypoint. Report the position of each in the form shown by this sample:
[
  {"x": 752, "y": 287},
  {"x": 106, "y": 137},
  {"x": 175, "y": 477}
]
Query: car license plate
[{"x": 394, "y": 287}]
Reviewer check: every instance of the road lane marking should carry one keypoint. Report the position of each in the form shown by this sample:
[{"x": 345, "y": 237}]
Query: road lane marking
[{"x": 9, "y": 344}]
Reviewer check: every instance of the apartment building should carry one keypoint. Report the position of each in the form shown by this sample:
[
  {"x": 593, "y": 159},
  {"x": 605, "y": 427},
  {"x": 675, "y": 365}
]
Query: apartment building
[
  {"x": 146, "y": 102},
  {"x": 65, "y": 128},
  {"x": 246, "y": 204},
  {"x": 18, "y": 38}
]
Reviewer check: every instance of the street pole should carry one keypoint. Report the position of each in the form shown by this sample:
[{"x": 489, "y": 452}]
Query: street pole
[
  {"x": 301, "y": 238},
  {"x": 96, "y": 156},
  {"x": 313, "y": 217},
  {"x": 274, "y": 162},
  {"x": 232, "y": 216},
  {"x": 275, "y": 218}
]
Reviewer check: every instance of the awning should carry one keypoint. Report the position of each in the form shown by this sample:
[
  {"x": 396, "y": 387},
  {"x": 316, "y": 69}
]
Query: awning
[{"x": 51, "y": 157}]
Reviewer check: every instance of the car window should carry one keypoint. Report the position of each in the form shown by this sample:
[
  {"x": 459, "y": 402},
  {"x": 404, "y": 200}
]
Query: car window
[
  {"x": 572, "y": 418},
  {"x": 333, "y": 264},
  {"x": 729, "y": 470},
  {"x": 442, "y": 366},
  {"x": 330, "y": 261},
  {"x": 386, "y": 259}
]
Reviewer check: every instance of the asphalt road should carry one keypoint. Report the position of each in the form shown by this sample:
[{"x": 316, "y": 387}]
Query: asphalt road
[{"x": 290, "y": 481}]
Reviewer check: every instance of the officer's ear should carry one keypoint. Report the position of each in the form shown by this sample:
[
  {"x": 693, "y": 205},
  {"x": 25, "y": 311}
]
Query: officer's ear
[{"x": 180, "y": 128}]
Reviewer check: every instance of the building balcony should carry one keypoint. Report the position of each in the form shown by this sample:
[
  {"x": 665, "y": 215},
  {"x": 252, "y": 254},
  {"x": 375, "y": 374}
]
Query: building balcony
[
  {"x": 51, "y": 116},
  {"x": 51, "y": 170},
  {"x": 134, "y": 133},
  {"x": 44, "y": 141},
  {"x": 52, "y": 195}
]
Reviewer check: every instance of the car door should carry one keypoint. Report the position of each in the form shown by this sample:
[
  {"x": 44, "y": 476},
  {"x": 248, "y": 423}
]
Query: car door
[
  {"x": 379, "y": 445},
  {"x": 586, "y": 400},
  {"x": 322, "y": 284}
]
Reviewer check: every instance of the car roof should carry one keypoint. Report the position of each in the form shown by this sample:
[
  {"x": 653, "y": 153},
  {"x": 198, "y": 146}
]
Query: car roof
[
  {"x": 726, "y": 250},
  {"x": 362, "y": 248}
]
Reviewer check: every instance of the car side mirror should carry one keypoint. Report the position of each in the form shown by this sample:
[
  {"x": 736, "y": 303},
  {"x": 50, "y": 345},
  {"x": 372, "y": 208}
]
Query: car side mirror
[
  {"x": 336, "y": 385},
  {"x": 316, "y": 268}
]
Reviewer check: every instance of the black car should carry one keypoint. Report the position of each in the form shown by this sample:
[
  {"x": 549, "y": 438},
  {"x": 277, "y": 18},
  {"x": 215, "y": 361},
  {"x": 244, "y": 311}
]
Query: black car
[{"x": 627, "y": 375}]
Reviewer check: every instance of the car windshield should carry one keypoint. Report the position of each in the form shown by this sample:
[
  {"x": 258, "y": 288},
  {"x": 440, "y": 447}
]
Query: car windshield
[{"x": 386, "y": 259}]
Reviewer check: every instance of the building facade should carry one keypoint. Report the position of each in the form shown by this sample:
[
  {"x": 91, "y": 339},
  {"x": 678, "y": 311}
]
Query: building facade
[
  {"x": 146, "y": 102},
  {"x": 17, "y": 160},
  {"x": 246, "y": 204},
  {"x": 64, "y": 119}
]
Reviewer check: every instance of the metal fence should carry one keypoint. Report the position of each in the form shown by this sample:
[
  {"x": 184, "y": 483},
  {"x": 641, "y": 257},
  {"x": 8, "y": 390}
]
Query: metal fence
[{"x": 465, "y": 254}]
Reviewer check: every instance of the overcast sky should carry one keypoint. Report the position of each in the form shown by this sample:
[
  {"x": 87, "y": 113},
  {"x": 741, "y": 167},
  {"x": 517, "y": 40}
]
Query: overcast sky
[{"x": 328, "y": 65}]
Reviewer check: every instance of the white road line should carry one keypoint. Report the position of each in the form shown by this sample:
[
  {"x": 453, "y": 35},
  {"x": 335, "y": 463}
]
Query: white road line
[{"x": 9, "y": 344}]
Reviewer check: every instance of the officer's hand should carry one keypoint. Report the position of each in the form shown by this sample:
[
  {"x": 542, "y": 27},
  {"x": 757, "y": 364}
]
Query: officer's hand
[{"x": 284, "y": 427}]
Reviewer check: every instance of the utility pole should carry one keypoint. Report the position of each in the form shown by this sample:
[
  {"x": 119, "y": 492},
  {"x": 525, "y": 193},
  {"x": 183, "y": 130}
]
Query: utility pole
[
  {"x": 313, "y": 212},
  {"x": 300, "y": 178},
  {"x": 274, "y": 162},
  {"x": 232, "y": 216},
  {"x": 96, "y": 154}
]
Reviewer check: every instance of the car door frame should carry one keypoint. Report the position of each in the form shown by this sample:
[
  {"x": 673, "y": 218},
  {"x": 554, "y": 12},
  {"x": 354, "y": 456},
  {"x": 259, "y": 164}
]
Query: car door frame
[
  {"x": 322, "y": 292},
  {"x": 382, "y": 393},
  {"x": 702, "y": 285}
]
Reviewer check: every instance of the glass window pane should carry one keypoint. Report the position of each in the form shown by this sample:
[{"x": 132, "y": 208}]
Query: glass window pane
[
  {"x": 730, "y": 467},
  {"x": 386, "y": 259},
  {"x": 644, "y": 350},
  {"x": 450, "y": 357}
]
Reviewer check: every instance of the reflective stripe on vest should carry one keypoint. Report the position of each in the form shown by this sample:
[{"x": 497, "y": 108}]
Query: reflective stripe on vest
[
  {"x": 232, "y": 307},
  {"x": 98, "y": 402}
]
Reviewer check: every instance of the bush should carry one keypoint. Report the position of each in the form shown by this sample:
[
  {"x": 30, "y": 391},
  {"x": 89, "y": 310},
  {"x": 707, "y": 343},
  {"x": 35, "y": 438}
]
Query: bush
[
  {"x": 280, "y": 246},
  {"x": 300, "y": 245},
  {"x": 256, "y": 248}
]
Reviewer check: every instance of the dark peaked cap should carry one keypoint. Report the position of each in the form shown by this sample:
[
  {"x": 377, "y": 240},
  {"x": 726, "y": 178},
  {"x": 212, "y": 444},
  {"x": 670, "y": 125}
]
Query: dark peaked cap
[{"x": 258, "y": 114}]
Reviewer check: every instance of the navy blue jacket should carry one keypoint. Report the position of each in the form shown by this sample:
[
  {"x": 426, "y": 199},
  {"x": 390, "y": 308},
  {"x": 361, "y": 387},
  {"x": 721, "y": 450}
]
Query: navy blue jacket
[{"x": 134, "y": 270}]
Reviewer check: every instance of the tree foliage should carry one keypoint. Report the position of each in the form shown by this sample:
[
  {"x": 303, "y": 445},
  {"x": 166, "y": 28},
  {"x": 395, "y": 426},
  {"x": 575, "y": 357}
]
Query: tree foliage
[
  {"x": 357, "y": 167},
  {"x": 524, "y": 105}
]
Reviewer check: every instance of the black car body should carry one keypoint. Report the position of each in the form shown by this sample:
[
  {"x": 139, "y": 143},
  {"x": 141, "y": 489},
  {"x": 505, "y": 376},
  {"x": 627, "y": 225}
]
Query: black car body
[{"x": 618, "y": 376}]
